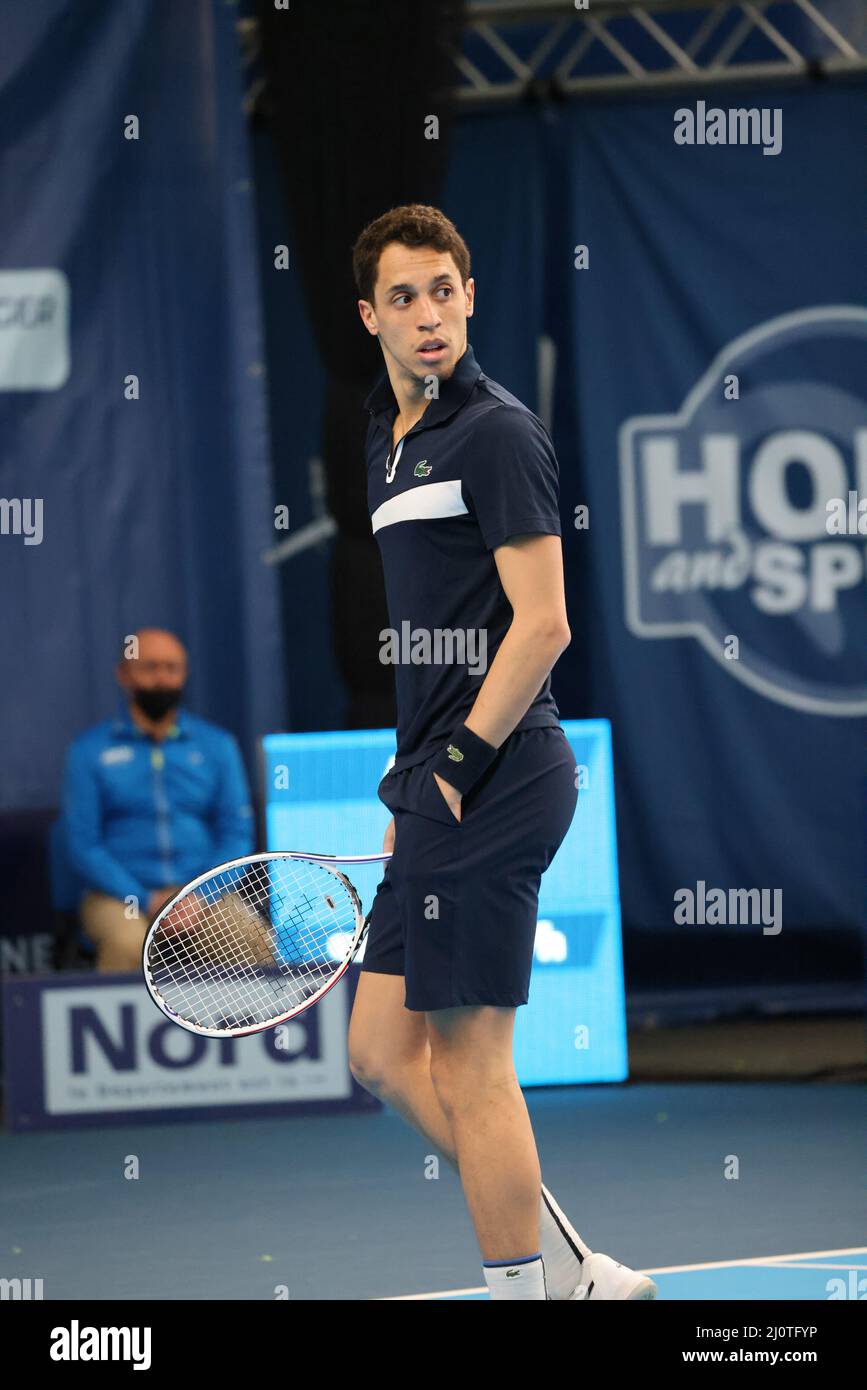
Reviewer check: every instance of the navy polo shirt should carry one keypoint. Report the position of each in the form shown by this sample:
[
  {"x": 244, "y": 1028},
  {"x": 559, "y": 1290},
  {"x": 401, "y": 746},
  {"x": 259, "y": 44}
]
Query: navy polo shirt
[{"x": 476, "y": 469}]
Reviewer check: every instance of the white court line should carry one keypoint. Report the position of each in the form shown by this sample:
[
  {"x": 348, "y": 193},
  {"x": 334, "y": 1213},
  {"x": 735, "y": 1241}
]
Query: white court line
[
  {"x": 761, "y": 1260},
  {"x": 444, "y": 1293},
  {"x": 757, "y": 1260},
  {"x": 778, "y": 1264}
]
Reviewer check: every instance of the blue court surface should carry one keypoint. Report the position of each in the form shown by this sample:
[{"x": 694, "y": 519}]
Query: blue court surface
[{"x": 350, "y": 1206}]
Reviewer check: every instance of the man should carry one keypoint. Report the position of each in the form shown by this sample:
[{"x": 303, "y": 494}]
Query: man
[
  {"x": 463, "y": 495},
  {"x": 151, "y": 800}
]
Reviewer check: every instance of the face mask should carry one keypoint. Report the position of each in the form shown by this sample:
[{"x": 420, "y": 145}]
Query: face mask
[{"x": 157, "y": 703}]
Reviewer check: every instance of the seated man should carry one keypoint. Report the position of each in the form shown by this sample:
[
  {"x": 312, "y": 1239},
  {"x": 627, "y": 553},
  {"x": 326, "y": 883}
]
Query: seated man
[{"x": 151, "y": 800}]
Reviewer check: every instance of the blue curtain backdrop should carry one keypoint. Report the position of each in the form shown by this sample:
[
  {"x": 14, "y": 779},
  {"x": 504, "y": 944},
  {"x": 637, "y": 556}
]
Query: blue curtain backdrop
[
  {"x": 155, "y": 510},
  {"x": 691, "y": 249}
]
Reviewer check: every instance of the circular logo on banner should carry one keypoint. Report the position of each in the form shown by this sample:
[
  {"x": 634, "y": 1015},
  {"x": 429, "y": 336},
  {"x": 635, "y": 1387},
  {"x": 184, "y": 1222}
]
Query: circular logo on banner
[{"x": 745, "y": 514}]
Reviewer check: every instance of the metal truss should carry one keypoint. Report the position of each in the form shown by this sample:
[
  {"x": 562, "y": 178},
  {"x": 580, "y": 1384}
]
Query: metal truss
[{"x": 518, "y": 49}]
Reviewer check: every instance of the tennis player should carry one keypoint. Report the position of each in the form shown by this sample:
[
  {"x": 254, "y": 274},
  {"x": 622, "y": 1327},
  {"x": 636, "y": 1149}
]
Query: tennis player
[{"x": 463, "y": 497}]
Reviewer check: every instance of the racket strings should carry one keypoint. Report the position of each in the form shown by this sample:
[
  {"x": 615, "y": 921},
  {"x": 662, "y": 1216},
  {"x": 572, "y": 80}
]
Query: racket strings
[{"x": 250, "y": 945}]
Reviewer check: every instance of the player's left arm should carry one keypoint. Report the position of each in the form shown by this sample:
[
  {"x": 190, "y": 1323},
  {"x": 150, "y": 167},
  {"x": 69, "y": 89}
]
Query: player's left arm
[{"x": 531, "y": 573}]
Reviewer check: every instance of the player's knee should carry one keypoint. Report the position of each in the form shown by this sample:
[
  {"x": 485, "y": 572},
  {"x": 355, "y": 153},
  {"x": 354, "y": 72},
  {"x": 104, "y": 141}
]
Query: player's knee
[
  {"x": 366, "y": 1069},
  {"x": 374, "y": 1073},
  {"x": 367, "y": 1064},
  {"x": 383, "y": 1075}
]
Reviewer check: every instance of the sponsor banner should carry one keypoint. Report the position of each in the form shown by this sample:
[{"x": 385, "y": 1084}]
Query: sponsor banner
[
  {"x": 742, "y": 526},
  {"x": 34, "y": 330},
  {"x": 711, "y": 427},
  {"x": 81, "y": 1049}
]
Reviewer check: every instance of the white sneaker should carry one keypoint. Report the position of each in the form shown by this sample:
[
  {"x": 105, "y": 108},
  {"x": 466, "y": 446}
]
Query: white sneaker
[{"x": 602, "y": 1277}]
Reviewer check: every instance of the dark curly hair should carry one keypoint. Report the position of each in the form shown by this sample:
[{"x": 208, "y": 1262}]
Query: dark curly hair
[{"x": 414, "y": 224}]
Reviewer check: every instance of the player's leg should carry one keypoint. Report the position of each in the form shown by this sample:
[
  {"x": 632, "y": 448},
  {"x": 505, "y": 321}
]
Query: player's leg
[
  {"x": 390, "y": 1057},
  {"x": 388, "y": 1053},
  {"x": 471, "y": 894},
  {"x": 473, "y": 1075},
  {"x": 384, "y": 1037},
  {"x": 118, "y": 939},
  {"x": 389, "y": 1049}
]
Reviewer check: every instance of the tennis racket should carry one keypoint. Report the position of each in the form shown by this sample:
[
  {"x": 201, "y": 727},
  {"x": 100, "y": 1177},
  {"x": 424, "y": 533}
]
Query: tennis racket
[{"x": 254, "y": 942}]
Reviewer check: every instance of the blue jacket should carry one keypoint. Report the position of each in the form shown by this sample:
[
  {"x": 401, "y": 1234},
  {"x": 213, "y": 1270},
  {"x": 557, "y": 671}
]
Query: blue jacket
[{"x": 140, "y": 815}]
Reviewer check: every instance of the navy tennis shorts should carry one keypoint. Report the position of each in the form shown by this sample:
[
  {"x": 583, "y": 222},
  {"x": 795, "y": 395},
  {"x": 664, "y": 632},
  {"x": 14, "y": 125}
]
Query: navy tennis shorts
[{"x": 455, "y": 913}]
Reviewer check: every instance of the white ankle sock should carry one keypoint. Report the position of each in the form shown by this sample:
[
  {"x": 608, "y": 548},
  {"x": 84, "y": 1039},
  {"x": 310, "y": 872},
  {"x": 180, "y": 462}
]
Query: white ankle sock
[
  {"x": 562, "y": 1248},
  {"x": 517, "y": 1279}
]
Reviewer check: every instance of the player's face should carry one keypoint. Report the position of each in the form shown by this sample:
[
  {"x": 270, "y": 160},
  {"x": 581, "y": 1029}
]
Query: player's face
[{"x": 420, "y": 311}]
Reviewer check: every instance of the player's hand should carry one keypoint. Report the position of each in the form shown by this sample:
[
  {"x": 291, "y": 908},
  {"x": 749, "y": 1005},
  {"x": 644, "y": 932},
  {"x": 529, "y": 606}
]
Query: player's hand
[
  {"x": 453, "y": 798},
  {"x": 388, "y": 838}
]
